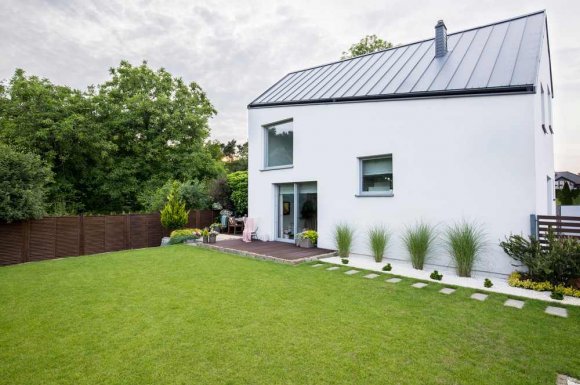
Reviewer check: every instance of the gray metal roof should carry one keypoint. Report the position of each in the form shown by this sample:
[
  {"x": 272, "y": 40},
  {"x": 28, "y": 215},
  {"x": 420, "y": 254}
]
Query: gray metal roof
[
  {"x": 569, "y": 176},
  {"x": 500, "y": 57}
]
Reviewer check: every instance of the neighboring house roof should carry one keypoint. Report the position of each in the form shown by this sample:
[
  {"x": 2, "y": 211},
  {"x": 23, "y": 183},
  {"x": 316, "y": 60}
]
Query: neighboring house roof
[
  {"x": 496, "y": 58},
  {"x": 568, "y": 176}
]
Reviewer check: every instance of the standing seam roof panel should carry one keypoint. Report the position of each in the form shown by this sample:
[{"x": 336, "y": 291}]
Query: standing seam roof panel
[
  {"x": 404, "y": 72},
  {"x": 275, "y": 87},
  {"x": 461, "y": 76},
  {"x": 436, "y": 65},
  {"x": 296, "y": 86},
  {"x": 320, "y": 76},
  {"x": 362, "y": 80},
  {"x": 529, "y": 55},
  {"x": 345, "y": 85},
  {"x": 395, "y": 69},
  {"x": 336, "y": 78},
  {"x": 482, "y": 72},
  {"x": 506, "y": 60},
  {"x": 418, "y": 70},
  {"x": 346, "y": 76},
  {"x": 455, "y": 58},
  {"x": 370, "y": 83},
  {"x": 318, "y": 83},
  {"x": 327, "y": 79},
  {"x": 303, "y": 84},
  {"x": 286, "y": 87}
]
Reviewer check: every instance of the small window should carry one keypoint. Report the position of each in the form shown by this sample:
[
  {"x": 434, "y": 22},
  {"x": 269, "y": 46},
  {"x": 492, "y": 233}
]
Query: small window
[
  {"x": 376, "y": 175},
  {"x": 279, "y": 143}
]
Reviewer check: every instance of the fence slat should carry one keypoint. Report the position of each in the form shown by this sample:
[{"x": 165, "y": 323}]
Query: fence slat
[{"x": 561, "y": 226}]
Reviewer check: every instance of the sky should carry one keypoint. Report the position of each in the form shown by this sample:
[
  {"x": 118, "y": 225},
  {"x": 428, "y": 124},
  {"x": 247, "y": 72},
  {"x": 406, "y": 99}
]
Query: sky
[{"x": 236, "y": 49}]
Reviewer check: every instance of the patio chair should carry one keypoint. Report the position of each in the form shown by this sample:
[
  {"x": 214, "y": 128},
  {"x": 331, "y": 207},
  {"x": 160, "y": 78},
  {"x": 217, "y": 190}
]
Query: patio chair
[
  {"x": 254, "y": 234},
  {"x": 234, "y": 225}
]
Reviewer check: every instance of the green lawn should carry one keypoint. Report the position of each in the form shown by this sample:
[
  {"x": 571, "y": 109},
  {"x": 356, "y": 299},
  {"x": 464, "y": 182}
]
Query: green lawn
[{"x": 181, "y": 315}]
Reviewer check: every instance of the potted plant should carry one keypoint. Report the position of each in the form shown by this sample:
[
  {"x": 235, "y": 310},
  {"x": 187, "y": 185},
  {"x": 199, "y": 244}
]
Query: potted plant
[
  {"x": 205, "y": 235},
  {"x": 212, "y": 236},
  {"x": 307, "y": 239}
]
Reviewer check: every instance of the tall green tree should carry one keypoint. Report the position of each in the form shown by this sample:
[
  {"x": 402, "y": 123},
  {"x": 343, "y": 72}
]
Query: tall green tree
[
  {"x": 368, "y": 44},
  {"x": 159, "y": 125},
  {"x": 238, "y": 183},
  {"x": 23, "y": 184},
  {"x": 174, "y": 215}
]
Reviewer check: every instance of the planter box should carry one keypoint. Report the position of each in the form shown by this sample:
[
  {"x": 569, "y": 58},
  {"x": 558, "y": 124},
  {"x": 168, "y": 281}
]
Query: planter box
[{"x": 306, "y": 243}]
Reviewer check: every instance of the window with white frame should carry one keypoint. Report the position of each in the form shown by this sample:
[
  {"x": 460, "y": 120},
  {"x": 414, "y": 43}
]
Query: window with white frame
[
  {"x": 279, "y": 144},
  {"x": 376, "y": 175}
]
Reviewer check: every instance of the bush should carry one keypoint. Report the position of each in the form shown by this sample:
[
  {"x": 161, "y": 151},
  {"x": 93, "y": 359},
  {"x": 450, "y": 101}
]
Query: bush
[
  {"x": 487, "y": 283},
  {"x": 418, "y": 241},
  {"x": 238, "y": 182},
  {"x": 23, "y": 185},
  {"x": 465, "y": 242},
  {"x": 516, "y": 280},
  {"x": 343, "y": 236},
  {"x": 558, "y": 262},
  {"x": 192, "y": 192},
  {"x": 312, "y": 235},
  {"x": 557, "y": 294},
  {"x": 378, "y": 240},
  {"x": 345, "y": 261},
  {"x": 387, "y": 267},
  {"x": 174, "y": 216},
  {"x": 436, "y": 276}
]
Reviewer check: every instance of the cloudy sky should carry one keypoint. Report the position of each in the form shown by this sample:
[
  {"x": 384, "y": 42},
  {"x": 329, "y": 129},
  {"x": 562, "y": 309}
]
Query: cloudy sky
[{"x": 236, "y": 49}]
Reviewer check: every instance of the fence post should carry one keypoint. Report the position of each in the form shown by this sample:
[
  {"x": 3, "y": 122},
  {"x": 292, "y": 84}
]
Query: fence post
[
  {"x": 81, "y": 235},
  {"x": 533, "y": 226}
]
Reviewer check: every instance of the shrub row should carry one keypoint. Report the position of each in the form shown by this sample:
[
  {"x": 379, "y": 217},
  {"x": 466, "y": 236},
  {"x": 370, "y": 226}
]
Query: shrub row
[{"x": 515, "y": 279}]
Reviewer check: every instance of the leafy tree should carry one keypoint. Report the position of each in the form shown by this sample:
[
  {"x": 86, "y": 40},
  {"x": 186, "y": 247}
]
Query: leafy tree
[
  {"x": 566, "y": 195},
  {"x": 58, "y": 124},
  {"x": 23, "y": 184},
  {"x": 192, "y": 192},
  {"x": 368, "y": 44},
  {"x": 174, "y": 215},
  {"x": 220, "y": 192},
  {"x": 238, "y": 182}
]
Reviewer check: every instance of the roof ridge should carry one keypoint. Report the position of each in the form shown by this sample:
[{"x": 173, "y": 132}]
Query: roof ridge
[{"x": 421, "y": 41}]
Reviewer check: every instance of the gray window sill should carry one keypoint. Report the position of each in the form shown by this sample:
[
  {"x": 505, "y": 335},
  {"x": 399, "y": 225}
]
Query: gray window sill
[
  {"x": 277, "y": 168},
  {"x": 383, "y": 195}
]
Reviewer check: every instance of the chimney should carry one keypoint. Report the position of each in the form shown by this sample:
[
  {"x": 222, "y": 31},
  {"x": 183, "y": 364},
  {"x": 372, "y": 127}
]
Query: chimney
[{"x": 440, "y": 39}]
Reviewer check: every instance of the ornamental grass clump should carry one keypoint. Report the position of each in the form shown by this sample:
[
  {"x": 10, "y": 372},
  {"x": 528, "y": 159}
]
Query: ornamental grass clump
[
  {"x": 378, "y": 241},
  {"x": 343, "y": 236},
  {"x": 419, "y": 241},
  {"x": 465, "y": 242}
]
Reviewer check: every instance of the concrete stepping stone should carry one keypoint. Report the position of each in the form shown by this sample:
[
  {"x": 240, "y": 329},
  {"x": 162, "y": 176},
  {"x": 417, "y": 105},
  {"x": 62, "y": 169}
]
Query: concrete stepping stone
[
  {"x": 371, "y": 276},
  {"x": 557, "y": 311},
  {"x": 318, "y": 265},
  {"x": 333, "y": 268},
  {"x": 479, "y": 296},
  {"x": 393, "y": 280},
  {"x": 419, "y": 285},
  {"x": 351, "y": 272},
  {"x": 446, "y": 290},
  {"x": 514, "y": 303}
]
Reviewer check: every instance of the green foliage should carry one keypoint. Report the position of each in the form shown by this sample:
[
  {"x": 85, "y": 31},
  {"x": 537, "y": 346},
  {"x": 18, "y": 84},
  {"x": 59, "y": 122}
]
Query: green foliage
[
  {"x": 516, "y": 280},
  {"x": 108, "y": 144},
  {"x": 557, "y": 262},
  {"x": 192, "y": 192},
  {"x": 419, "y": 241},
  {"x": 465, "y": 242},
  {"x": 312, "y": 235},
  {"x": 23, "y": 184},
  {"x": 436, "y": 275},
  {"x": 557, "y": 294},
  {"x": 487, "y": 283},
  {"x": 378, "y": 240},
  {"x": 220, "y": 193},
  {"x": 174, "y": 215},
  {"x": 343, "y": 237},
  {"x": 387, "y": 267},
  {"x": 566, "y": 196},
  {"x": 368, "y": 44},
  {"x": 238, "y": 183},
  {"x": 344, "y": 261},
  {"x": 184, "y": 235}
]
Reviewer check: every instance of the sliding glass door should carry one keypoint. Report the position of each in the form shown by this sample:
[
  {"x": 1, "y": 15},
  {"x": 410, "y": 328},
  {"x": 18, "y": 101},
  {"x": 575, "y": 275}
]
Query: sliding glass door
[{"x": 297, "y": 209}]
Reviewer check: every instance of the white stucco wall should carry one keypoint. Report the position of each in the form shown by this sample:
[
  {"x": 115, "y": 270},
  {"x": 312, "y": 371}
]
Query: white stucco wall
[{"x": 468, "y": 158}]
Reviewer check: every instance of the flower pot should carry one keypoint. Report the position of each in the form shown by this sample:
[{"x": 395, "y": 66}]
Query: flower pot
[
  {"x": 205, "y": 239},
  {"x": 306, "y": 243},
  {"x": 212, "y": 238}
]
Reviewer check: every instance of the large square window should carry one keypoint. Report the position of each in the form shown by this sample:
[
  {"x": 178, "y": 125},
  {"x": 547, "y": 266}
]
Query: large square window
[
  {"x": 376, "y": 175},
  {"x": 279, "y": 144}
]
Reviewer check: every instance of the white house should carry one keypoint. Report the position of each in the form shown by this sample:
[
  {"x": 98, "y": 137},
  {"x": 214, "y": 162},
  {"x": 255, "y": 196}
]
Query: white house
[{"x": 457, "y": 127}]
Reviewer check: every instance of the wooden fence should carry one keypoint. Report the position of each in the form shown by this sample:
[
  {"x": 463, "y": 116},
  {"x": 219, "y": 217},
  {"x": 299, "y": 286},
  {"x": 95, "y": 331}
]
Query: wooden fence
[
  {"x": 562, "y": 226},
  {"x": 56, "y": 237}
]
